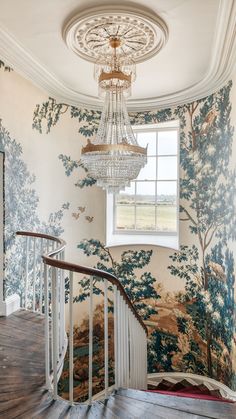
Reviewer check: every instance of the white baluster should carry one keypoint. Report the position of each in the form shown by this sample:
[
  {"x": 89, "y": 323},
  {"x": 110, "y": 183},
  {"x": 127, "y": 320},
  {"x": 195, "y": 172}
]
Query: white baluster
[
  {"x": 62, "y": 307},
  {"x": 46, "y": 311},
  {"x": 145, "y": 361},
  {"x": 59, "y": 272},
  {"x": 127, "y": 345},
  {"x": 122, "y": 363},
  {"x": 124, "y": 344},
  {"x": 41, "y": 278},
  {"x": 26, "y": 270},
  {"x": 106, "y": 339},
  {"x": 34, "y": 274},
  {"x": 118, "y": 340},
  {"x": 139, "y": 355},
  {"x": 47, "y": 246},
  {"x": 54, "y": 330},
  {"x": 131, "y": 350},
  {"x": 135, "y": 353},
  {"x": 142, "y": 357},
  {"x": 115, "y": 334},
  {"x": 91, "y": 341},
  {"x": 71, "y": 342}
]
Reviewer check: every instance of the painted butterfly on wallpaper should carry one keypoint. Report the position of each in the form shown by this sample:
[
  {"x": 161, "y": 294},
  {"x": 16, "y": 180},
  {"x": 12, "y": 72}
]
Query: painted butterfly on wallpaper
[
  {"x": 89, "y": 219},
  {"x": 75, "y": 215}
]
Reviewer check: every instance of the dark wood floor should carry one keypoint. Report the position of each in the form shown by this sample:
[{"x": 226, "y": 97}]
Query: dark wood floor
[{"x": 22, "y": 392}]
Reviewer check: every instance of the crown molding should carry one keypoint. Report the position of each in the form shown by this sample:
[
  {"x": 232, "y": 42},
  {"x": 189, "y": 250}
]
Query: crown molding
[{"x": 220, "y": 69}]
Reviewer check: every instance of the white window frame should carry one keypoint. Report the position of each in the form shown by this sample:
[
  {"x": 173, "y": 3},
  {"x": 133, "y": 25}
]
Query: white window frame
[{"x": 156, "y": 238}]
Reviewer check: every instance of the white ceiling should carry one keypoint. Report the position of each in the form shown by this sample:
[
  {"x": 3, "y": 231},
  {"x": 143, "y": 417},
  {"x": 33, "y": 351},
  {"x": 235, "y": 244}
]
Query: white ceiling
[{"x": 197, "y": 58}]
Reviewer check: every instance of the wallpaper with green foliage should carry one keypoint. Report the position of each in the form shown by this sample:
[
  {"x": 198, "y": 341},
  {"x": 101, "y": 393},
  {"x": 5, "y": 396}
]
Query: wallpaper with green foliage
[
  {"x": 191, "y": 330},
  {"x": 192, "y": 325}
]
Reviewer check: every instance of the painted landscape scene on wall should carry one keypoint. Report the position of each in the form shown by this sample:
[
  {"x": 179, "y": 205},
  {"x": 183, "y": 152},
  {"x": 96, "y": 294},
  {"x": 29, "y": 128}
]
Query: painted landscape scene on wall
[{"x": 192, "y": 330}]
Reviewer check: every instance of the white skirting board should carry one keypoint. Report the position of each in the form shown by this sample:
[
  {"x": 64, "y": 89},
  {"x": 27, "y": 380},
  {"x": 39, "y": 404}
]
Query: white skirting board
[
  {"x": 193, "y": 379},
  {"x": 10, "y": 305}
]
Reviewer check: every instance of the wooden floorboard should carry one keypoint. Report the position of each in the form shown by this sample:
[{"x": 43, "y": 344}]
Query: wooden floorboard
[
  {"x": 23, "y": 395},
  {"x": 202, "y": 408}
]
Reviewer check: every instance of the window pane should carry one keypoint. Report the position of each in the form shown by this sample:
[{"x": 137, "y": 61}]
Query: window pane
[
  {"x": 148, "y": 171},
  {"x": 125, "y": 217},
  {"x": 145, "y": 217},
  {"x": 145, "y": 193},
  {"x": 167, "y": 193},
  {"x": 167, "y": 168},
  {"x": 166, "y": 206},
  {"x": 166, "y": 218},
  {"x": 127, "y": 196},
  {"x": 167, "y": 142},
  {"x": 148, "y": 138}
]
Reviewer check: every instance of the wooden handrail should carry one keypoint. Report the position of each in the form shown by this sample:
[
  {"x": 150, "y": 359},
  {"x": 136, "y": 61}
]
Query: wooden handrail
[{"x": 48, "y": 260}]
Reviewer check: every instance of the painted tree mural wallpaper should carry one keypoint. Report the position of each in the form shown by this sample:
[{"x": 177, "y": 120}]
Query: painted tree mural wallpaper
[
  {"x": 192, "y": 330},
  {"x": 21, "y": 209},
  {"x": 21, "y": 205},
  {"x": 192, "y": 322}
]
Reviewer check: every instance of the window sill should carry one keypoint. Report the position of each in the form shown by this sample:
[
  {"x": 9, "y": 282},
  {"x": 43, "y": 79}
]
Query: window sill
[{"x": 168, "y": 240}]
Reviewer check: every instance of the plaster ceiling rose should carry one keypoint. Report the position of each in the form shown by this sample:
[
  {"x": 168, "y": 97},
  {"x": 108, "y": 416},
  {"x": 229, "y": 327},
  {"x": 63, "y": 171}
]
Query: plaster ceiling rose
[{"x": 142, "y": 34}]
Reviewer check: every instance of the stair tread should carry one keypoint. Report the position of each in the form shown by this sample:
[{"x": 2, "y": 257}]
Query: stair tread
[{"x": 205, "y": 408}]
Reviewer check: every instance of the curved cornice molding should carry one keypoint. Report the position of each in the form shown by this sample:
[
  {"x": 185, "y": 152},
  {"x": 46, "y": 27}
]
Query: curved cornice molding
[{"x": 220, "y": 69}]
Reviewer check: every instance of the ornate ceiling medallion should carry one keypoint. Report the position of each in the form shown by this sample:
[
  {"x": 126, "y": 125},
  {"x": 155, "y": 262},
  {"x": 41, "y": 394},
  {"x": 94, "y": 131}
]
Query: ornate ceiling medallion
[{"x": 142, "y": 34}]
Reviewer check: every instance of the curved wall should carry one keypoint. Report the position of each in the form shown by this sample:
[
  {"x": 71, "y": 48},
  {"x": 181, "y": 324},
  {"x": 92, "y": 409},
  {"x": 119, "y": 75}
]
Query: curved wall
[{"x": 187, "y": 298}]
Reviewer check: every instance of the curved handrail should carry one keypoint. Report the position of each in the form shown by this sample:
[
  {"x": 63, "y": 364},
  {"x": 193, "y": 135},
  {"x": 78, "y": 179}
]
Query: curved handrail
[{"x": 48, "y": 260}]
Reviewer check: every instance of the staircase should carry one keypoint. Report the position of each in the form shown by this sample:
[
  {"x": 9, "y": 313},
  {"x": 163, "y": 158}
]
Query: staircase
[{"x": 33, "y": 344}]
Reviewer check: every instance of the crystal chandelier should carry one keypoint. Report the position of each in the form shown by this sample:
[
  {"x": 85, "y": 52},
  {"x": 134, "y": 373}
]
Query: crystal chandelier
[{"x": 114, "y": 158}]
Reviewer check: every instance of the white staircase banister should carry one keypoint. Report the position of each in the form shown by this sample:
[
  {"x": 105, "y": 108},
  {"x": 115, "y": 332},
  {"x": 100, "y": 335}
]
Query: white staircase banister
[{"x": 130, "y": 333}]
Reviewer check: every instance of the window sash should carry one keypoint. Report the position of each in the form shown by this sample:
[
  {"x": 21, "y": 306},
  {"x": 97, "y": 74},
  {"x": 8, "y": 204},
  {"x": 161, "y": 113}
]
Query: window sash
[
  {"x": 156, "y": 236},
  {"x": 155, "y": 180}
]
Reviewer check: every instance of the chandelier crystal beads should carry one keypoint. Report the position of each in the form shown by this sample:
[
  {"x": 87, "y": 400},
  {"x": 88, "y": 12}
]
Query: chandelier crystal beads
[{"x": 114, "y": 158}]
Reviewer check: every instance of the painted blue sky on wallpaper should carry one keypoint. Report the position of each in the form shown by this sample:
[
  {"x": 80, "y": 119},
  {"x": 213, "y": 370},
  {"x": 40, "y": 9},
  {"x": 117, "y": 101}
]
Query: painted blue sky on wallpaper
[
  {"x": 21, "y": 210},
  {"x": 191, "y": 330}
]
